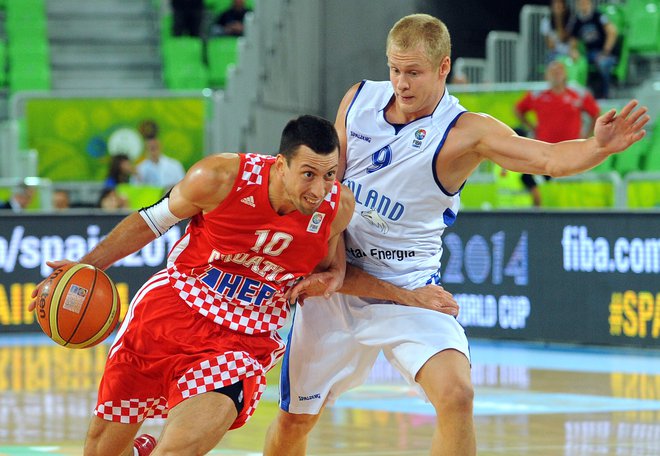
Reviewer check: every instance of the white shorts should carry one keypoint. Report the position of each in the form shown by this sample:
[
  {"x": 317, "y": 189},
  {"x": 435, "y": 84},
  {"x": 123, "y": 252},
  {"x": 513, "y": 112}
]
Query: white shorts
[{"x": 334, "y": 343}]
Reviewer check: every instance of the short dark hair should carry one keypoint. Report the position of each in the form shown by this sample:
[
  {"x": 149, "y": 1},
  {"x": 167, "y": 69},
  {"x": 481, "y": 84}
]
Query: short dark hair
[
  {"x": 314, "y": 132},
  {"x": 115, "y": 170},
  {"x": 148, "y": 128}
]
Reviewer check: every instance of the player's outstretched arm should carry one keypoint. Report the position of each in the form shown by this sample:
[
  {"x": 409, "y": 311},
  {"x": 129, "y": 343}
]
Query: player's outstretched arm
[{"x": 491, "y": 139}]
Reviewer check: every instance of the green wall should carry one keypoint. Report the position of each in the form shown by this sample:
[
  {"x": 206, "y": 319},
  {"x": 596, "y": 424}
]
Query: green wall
[{"x": 71, "y": 135}]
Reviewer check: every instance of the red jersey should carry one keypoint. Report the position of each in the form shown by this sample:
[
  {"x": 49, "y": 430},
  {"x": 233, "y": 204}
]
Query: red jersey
[
  {"x": 235, "y": 263},
  {"x": 559, "y": 114}
]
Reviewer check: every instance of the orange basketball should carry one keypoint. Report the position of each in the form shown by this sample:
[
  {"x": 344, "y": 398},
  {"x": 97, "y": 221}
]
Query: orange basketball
[{"x": 78, "y": 306}]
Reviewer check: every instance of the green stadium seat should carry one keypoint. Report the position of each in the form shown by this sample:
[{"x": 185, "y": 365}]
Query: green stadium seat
[
  {"x": 616, "y": 14},
  {"x": 25, "y": 8},
  {"x": 643, "y": 35},
  {"x": 607, "y": 166},
  {"x": 182, "y": 49},
  {"x": 20, "y": 25},
  {"x": 221, "y": 52},
  {"x": 631, "y": 159},
  {"x": 577, "y": 71},
  {"x": 183, "y": 65},
  {"x": 3, "y": 63},
  {"x": 620, "y": 71},
  {"x": 190, "y": 76},
  {"x": 166, "y": 27},
  {"x": 218, "y": 6},
  {"x": 651, "y": 161},
  {"x": 28, "y": 50},
  {"x": 31, "y": 77}
]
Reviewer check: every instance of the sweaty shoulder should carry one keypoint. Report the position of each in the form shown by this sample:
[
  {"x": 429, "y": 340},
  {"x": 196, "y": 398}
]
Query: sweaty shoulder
[
  {"x": 347, "y": 100},
  {"x": 209, "y": 181},
  {"x": 470, "y": 128}
]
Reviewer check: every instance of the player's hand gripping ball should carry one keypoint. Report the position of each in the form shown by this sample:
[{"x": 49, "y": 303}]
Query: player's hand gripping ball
[{"x": 78, "y": 306}]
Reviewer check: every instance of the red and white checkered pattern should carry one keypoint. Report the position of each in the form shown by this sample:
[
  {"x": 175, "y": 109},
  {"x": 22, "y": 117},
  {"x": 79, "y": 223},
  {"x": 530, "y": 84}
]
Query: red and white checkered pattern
[
  {"x": 225, "y": 370},
  {"x": 212, "y": 374},
  {"x": 256, "y": 397},
  {"x": 331, "y": 197},
  {"x": 252, "y": 170},
  {"x": 246, "y": 320},
  {"x": 132, "y": 410}
]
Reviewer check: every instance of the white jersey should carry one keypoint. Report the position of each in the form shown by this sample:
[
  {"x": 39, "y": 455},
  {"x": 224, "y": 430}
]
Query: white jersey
[{"x": 395, "y": 234}]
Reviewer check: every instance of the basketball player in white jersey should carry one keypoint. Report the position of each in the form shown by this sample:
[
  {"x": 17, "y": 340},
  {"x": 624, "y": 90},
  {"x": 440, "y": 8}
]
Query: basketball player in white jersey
[{"x": 408, "y": 148}]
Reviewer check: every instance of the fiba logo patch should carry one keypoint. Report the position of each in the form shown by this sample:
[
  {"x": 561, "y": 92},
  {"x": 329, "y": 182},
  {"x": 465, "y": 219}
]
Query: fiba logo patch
[
  {"x": 419, "y": 136},
  {"x": 315, "y": 222}
]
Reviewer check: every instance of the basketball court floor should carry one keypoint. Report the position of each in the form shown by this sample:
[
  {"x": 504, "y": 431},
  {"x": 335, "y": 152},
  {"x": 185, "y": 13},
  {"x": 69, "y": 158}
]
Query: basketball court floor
[{"x": 530, "y": 400}]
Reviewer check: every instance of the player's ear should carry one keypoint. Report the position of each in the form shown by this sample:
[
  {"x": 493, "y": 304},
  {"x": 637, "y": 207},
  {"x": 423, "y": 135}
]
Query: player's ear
[
  {"x": 280, "y": 163},
  {"x": 445, "y": 66}
]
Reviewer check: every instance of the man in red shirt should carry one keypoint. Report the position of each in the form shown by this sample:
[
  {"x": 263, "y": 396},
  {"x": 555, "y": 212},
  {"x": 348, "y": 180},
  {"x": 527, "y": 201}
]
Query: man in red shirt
[{"x": 558, "y": 112}]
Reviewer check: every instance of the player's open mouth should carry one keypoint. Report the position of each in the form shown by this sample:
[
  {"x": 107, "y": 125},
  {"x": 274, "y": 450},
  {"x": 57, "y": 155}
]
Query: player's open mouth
[{"x": 311, "y": 201}]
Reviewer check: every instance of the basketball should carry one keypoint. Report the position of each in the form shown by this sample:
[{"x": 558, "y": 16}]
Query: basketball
[{"x": 78, "y": 306}]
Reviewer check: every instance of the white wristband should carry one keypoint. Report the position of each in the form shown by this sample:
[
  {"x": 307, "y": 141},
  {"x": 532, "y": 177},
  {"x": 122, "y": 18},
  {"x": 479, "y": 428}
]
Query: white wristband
[{"x": 158, "y": 217}]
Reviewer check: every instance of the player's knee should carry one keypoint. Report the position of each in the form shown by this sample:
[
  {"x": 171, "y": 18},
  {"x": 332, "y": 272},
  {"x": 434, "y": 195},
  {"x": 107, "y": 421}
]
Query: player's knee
[
  {"x": 456, "y": 397},
  {"x": 91, "y": 448},
  {"x": 93, "y": 441},
  {"x": 296, "y": 424},
  {"x": 95, "y": 446},
  {"x": 187, "y": 447}
]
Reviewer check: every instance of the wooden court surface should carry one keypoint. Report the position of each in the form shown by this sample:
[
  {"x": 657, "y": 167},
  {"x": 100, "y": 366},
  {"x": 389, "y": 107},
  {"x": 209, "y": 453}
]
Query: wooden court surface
[{"x": 530, "y": 400}]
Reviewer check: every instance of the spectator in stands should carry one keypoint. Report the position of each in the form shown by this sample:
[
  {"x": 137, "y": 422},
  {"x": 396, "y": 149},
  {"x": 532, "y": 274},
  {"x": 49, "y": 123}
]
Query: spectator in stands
[
  {"x": 187, "y": 17},
  {"x": 21, "y": 197},
  {"x": 553, "y": 29},
  {"x": 230, "y": 21},
  {"x": 110, "y": 200},
  {"x": 121, "y": 170},
  {"x": 157, "y": 169},
  {"x": 558, "y": 112},
  {"x": 599, "y": 38},
  {"x": 61, "y": 200}
]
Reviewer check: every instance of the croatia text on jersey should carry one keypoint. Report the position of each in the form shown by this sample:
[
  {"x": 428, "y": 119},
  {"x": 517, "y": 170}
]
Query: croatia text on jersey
[
  {"x": 235, "y": 287},
  {"x": 247, "y": 290}
]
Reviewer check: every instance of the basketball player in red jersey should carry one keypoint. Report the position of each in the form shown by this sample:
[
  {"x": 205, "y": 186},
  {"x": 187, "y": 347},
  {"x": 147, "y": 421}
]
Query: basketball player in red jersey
[{"x": 200, "y": 335}]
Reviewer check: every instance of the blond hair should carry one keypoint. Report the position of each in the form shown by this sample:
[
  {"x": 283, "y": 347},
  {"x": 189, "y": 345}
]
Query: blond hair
[{"x": 421, "y": 29}]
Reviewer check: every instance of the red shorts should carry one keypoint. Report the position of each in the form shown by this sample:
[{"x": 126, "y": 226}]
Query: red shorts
[{"x": 166, "y": 352}]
